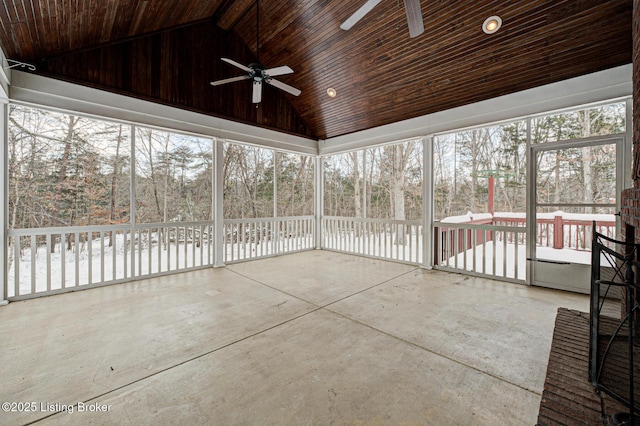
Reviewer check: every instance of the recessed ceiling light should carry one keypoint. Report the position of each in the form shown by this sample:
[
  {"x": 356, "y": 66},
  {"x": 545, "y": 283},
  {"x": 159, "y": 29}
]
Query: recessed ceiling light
[
  {"x": 491, "y": 24},
  {"x": 331, "y": 92}
]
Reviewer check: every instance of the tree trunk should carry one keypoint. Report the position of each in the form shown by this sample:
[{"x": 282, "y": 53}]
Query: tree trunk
[
  {"x": 397, "y": 190},
  {"x": 558, "y": 187},
  {"x": 114, "y": 184},
  {"x": 474, "y": 167},
  {"x": 356, "y": 184},
  {"x": 586, "y": 162},
  {"x": 62, "y": 176},
  {"x": 296, "y": 181}
]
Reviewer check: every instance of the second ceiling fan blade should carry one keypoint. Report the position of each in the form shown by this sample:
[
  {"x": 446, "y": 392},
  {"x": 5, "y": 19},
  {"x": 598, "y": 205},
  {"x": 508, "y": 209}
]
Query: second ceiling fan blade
[
  {"x": 273, "y": 72},
  {"x": 283, "y": 86},
  {"x": 230, "y": 80},
  {"x": 236, "y": 64},
  {"x": 257, "y": 92},
  {"x": 360, "y": 13},
  {"x": 414, "y": 17}
]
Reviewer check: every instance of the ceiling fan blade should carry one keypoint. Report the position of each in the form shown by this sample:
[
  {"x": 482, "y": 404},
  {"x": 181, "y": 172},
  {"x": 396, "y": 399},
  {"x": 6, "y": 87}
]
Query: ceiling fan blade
[
  {"x": 272, "y": 72},
  {"x": 414, "y": 17},
  {"x": 283, "y": 86},
  {"x": 257, "y": 92},
  {"x": 359, "y": 14},
  {"x": 230, "y": 80},
  {"x": 235, "y": 64}
]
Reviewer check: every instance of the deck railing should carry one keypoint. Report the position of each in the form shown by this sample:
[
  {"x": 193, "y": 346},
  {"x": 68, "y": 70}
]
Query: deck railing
[
  {"x": 246, "y": 239},
  {"x": 399, "y": 240},
  {"x": 53, "y": 260},
  {"x": 575, "y": 231},
  {"x": 480, "y": 249},
  {"x": 46, "y": 261},
  {"x": 495, "y": 246}
]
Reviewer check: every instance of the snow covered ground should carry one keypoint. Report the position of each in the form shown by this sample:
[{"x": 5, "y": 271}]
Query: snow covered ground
[
  {"x": 86, "y": 263},
  {"x": 493, "y": 259},
  {"x": 95, "y": 262},
  {"x": 98, "y": 263},
  {"x": 383, "y": 245}
]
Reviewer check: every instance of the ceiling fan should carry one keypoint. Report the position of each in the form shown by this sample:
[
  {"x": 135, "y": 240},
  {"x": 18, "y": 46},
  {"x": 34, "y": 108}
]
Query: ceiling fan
[
  {"x": 258, "y": 73},
  {"x": 411, "y": 7}
]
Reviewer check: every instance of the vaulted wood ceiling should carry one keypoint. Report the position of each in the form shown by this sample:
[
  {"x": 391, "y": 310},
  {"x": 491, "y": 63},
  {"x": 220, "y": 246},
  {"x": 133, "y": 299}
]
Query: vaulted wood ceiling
[{"x": 169, "y": 50}]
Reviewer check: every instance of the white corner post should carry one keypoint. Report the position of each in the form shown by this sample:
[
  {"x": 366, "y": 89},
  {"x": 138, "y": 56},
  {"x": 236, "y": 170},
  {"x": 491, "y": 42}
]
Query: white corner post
[
  {"x": 4, "y": 212},
  {"x": 132, "y": 201},
  {"x": 530, "y": 207},
  {"x": 218, "y": 196},
  {"x": 318, "y": 194},
  {"x": 427, "y": 202},
  {"x": 275, "y": 214}
]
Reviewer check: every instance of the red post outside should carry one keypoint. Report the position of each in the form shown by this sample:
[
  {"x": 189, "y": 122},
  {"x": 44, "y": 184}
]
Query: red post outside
[
  {"x": 437, "y": 256},
  {"x": 492, "y": 191},
  {"x": 558, "y": 232}
]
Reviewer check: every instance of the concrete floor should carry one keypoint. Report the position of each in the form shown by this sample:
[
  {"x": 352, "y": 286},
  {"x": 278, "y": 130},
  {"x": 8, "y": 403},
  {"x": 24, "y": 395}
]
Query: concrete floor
[{"x": 313, "y": 338}]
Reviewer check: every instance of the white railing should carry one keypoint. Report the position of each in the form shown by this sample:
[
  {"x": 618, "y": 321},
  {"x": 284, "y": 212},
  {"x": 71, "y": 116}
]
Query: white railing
[
  {"x": 46, "y": 261},
  {"x": 172, "y": 247},
  {"x": 246, "y": 239},
  {"x": 497, "y": 252},
  {"x": 54, "y": 260},
  {"x": 399, "y": 240}
]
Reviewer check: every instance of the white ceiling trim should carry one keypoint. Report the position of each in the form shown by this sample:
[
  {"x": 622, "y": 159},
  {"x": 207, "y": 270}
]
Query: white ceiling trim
[
  {"x": 5, "y": 77},
  {"x": 590, "y": 88}
]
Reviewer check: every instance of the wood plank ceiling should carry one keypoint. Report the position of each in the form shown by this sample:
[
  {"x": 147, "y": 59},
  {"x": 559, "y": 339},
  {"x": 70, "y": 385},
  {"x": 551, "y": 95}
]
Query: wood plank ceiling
[{"x": 168, "y": 51}]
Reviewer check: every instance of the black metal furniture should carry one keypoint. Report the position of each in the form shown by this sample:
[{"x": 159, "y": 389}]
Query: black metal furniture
[{"x": 614, "y": 347}]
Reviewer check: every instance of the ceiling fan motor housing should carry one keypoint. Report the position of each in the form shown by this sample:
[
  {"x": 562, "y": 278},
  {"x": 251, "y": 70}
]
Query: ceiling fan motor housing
[{"x": 257, "y": 72}]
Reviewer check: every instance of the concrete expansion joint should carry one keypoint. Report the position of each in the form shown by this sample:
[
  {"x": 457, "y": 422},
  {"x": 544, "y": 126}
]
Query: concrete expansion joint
[
  {"x": 424, "y": 348},
  {"x": 328, "y": 305}
]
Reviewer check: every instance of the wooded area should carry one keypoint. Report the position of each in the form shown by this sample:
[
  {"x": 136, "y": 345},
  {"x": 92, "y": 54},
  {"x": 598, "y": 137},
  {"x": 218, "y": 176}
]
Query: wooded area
[
  {"x": 382, "y": 183},
  {"x": 463, "y": 162},
  {"x": 256, "y": 177},
  {"x": 75, "y": 171},
  {"x": 66, "y": 170}
]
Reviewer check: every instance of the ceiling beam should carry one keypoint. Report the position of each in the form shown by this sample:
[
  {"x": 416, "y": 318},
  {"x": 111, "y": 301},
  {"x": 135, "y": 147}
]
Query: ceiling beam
[{"x": 233, "y": 13}]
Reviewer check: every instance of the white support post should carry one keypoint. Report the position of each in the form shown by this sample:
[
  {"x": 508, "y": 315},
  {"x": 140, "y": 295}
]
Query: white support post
[
  {"x": 4, "y": 195},
  {"x": 364, "y": 184},
  {"x": 275, "y": 183},
  {"x": 427, "y": 202},
  {"x": 218, "y": 212},
  {"x": 530, "y": 207},
  {"x": 319, "y": 201},
  {"x": 132, "y": 207}
]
